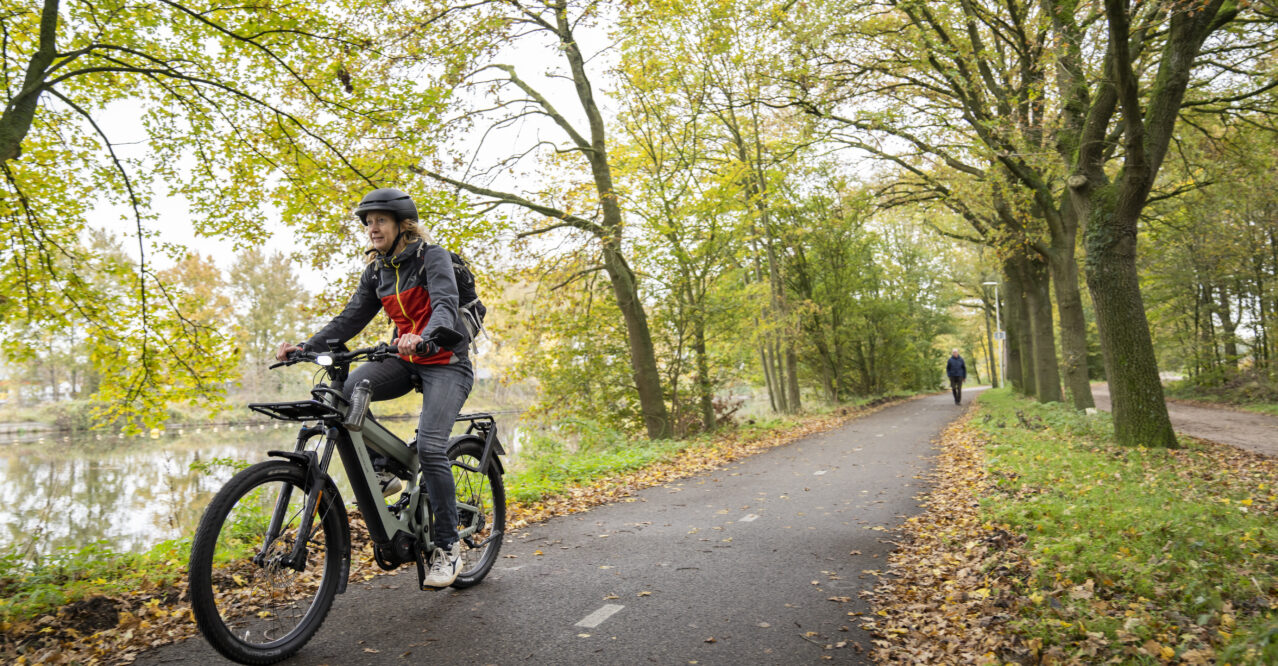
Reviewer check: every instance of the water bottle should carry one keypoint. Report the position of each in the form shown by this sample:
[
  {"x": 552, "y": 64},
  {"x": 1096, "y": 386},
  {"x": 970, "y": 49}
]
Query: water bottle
[{"x": 359, "y": 406}]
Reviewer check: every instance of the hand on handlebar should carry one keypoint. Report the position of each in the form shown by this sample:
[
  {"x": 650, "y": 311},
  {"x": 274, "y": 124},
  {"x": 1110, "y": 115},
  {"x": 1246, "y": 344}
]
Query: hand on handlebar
[
  {"x": 411, "y": 344},
  {"x": 286, "y": 348}
]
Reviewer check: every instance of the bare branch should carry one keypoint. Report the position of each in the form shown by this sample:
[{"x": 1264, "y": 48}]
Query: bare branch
[{"x": 568, "y": 219}]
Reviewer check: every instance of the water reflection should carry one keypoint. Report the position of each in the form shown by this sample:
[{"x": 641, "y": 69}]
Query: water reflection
[{"x": 133, "y": 492}]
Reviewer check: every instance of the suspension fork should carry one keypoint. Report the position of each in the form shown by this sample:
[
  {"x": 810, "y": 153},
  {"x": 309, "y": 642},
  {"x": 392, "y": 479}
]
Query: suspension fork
[{"x": 316, "y": 480}]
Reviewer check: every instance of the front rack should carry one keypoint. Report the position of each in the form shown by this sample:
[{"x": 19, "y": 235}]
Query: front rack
[{"x": 302, "y": 410}]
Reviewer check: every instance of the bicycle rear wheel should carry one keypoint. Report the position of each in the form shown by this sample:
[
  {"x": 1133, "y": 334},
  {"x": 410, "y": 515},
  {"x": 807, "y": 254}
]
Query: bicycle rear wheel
[
  {"x": 481, "y": 511},
  {"x": 249, "y": 603}
]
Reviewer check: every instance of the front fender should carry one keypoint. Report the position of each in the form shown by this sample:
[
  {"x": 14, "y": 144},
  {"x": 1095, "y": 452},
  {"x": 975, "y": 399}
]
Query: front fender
[{"x": 305, "y": 461}]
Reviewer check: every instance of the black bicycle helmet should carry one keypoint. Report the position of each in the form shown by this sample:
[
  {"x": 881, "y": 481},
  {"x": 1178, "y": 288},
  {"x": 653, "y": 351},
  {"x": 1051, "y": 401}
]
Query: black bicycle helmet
[{"x": 389, "y": 199}]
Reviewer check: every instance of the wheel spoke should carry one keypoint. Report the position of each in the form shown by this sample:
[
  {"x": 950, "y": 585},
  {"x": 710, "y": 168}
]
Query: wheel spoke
[
  {"x": 247, "y": 597},
  {"x": 481, "y": 512}
]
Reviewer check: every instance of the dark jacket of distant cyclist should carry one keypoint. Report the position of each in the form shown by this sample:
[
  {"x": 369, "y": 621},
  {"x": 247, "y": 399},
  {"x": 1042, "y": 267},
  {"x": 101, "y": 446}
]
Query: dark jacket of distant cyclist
[
  {"x": 956, "y": 368},
  {"x": 416, "y": 288}
]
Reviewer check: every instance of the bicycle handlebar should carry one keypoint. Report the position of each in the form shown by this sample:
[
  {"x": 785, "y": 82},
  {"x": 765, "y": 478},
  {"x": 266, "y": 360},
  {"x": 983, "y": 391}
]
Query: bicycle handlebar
[
  {"x": 375, "y": 353},
  {"x": 443, "y": 337}
]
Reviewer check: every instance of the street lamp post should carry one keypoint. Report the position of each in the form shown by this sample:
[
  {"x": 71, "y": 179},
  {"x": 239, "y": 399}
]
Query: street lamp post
[{"x": 1000, "y": 335}]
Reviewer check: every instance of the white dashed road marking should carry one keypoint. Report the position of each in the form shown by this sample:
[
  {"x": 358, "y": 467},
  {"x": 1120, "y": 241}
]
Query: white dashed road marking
[
  {"x": 597, "y": 618},
  {"x": 819, "y": 472},
  {"x": 748, "y": 518}
]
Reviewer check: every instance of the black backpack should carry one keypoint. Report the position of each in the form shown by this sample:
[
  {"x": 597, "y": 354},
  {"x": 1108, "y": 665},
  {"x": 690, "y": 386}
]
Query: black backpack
[{"x": 469, "y": 307}]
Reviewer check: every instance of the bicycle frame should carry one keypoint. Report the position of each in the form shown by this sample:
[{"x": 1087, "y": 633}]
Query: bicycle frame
[
  {"x": 384, "y": 522},
  {"x": 331, "y": 409}
]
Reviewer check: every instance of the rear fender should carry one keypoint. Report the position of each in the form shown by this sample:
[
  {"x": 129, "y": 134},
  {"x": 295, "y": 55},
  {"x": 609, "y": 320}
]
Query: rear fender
[{"x": 459, "y": 440}]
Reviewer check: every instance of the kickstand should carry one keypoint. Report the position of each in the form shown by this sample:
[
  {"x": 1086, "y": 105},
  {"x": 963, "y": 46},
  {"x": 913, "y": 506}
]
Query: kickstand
[{"x": 421, "y": 569}]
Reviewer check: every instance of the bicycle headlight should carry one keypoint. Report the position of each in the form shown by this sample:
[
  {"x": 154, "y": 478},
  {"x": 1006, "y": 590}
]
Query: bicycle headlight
[{"x": 324, "y": 360}]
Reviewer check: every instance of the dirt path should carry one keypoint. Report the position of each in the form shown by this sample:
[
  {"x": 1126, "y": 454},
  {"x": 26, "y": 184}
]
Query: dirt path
[{"x": 1253, "y": 432}]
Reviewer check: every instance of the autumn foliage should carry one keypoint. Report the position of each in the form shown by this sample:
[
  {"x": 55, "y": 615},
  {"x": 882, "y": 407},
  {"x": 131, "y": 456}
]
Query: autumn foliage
[{"x": 1045, "y": 542}]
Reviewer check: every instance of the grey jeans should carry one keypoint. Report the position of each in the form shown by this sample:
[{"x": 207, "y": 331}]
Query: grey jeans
[{"x": 444, "y": 391}]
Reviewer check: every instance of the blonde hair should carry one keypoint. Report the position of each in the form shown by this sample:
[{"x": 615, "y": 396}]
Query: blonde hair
[{"x": 409, "y": 231}]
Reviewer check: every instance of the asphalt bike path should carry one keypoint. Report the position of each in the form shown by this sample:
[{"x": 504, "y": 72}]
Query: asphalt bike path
[{"x": 761, "y": 560}]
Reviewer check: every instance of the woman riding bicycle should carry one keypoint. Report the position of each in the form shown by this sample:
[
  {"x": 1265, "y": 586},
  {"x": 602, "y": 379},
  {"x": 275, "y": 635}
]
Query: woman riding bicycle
[{"x": 413, "y": 281}]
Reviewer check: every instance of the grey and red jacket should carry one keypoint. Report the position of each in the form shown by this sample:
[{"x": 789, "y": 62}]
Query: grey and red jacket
[{"x": 418, "y": 290}]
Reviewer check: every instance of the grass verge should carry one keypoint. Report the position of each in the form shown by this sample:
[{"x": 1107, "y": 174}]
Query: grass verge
[{"x": 1044, "y": 541}]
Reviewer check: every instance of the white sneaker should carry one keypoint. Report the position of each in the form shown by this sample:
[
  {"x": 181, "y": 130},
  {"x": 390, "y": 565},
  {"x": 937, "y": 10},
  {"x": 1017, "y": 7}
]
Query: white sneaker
[
  {"x": 391, "y": 485},
  {"x": 444, "y": 567}
]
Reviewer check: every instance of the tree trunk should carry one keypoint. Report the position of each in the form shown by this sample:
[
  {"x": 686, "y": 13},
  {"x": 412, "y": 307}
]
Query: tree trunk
[
  {"x": 768, "y": 380},
  {"x": 989, "y": 346},
  {"x": 1272, "y": 332},
  {"x": 1264, "y": 351},
  {"x": 778, "y": 376},
  {"x": 19, "y": 113},
  {"x": 705, "y": 388},
  {"x": 792, "y": 384},
  {"x": 1069, "y": 305},
  {"x": 1228, "y": 326},
  {"x": 1211, "y": 350},
  {"x": 1047, "y": 377},
  {"x": 1139, "y": 406},
  {"x": 1020, "y": 356},
  {"x": 829, "y": 367},
  {"x": 643, "y": 357}
]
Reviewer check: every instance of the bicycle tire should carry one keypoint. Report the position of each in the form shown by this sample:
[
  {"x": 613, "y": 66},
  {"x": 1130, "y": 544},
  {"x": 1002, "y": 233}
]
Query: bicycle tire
[
  {"x": 241, "y": 606},
  {"x": 484, "y": 490}
]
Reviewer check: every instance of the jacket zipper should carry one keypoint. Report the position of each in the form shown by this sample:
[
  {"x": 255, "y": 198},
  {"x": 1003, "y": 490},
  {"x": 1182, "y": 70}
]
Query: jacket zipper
[{"x": 412, "y": 322}]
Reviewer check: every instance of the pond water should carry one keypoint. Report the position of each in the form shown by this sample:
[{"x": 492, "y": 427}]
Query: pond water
[{"x": 134, "y": 492}]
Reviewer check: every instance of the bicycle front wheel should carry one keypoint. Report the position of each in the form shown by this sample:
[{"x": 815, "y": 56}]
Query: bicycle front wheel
[
  {"x": 481, "y": 511},
  {"x": 252, "y": 601}
]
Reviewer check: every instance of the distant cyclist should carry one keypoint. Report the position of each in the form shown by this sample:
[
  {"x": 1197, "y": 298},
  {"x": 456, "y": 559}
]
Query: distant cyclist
[
  {"x": 956, "y": 369},
  {"x": 414, "y": 282}
]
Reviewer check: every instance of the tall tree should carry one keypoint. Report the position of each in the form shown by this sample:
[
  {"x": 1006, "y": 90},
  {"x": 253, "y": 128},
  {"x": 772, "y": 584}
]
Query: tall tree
[
  {"x": 1122, "y": 110},
  {"x": 719, "y": 57},
  {"x": 269, "y": 307},
  {"x": 246, "y": 111},
  {"x": 559, "y": 20}
]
